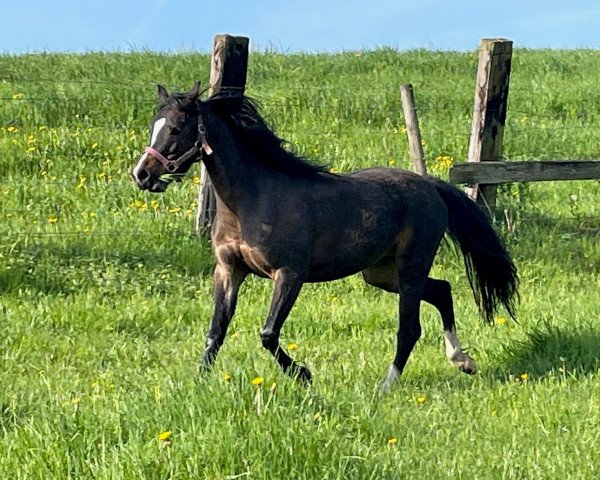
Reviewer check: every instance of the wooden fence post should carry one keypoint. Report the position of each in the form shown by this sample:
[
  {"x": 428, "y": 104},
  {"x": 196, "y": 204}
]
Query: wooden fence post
[
  {"x": 489, "y": 111},
  {"x": 412, "y": 129},
  {"x": 228, "y": 73}
]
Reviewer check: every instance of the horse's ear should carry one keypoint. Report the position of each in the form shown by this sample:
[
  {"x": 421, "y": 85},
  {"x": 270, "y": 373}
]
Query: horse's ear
[
  {"x": 195, "y": 91},
  {"x": 162, "y": 93}
]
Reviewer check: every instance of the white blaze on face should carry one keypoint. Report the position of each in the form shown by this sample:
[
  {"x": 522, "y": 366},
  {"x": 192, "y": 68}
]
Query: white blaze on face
[
  {"x": 158, "y": 125},
  {"x": 156, "y": 128}
]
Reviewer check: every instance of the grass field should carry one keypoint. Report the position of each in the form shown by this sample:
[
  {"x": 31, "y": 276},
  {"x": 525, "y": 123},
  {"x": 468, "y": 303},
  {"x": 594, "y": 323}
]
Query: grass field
[{"x": 105, "y": 291}]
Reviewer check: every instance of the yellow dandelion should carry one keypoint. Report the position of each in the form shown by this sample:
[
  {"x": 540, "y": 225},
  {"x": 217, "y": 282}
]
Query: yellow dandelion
[
  {"x": 258, "y": 381},
  {"x": 41, "y": 128},
  {"x": 139, "y": 205},
  {"x": 11, "y": 129},
  {"x": 392, "y": 440},
  {"x": 292, "y": 346},
  {"x": 174, "y": 209},
  {"x": 226, "y": 377},
  {"x": 317, "y": 416},
  {"x": 500, "y": 320},
  {"x": 421, "y": 399},
  {"x": 31, "y": 149},
  {"x": 391, "y": 162},
  {"x": 196, "y": 180},
  {"x": 94, "y": 145},
  {"x": 332, "y": 170},
  {"x": 76, "y": 400},
  {"x": 165, "y": 437},
  {"x": 524, "y": 376},
  {"x": 101, "y": 175},
  {"x": 52, "y": 219},
  {"x": 17, "y": 96}
]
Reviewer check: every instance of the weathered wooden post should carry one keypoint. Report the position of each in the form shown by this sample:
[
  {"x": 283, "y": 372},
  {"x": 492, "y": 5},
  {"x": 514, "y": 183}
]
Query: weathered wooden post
[
  {"x": 489, "y": 111},
  {"x": 412, "y": 129},
  {"x": 229, "y": 67}
]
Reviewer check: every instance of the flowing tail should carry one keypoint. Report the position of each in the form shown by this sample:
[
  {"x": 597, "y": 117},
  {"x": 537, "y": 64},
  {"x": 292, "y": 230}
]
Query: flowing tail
[{"x": 490, "y": 269}]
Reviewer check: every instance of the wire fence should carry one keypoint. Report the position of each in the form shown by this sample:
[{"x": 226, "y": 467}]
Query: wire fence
[{"x": 529, "y": 121}]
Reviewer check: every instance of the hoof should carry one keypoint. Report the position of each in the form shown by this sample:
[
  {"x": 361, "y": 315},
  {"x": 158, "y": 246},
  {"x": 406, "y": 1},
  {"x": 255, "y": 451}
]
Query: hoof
[
  {"x": 301, "y": 373},
  {"x": 204, "y": 367},
  {"x": 464, "y": 363}
]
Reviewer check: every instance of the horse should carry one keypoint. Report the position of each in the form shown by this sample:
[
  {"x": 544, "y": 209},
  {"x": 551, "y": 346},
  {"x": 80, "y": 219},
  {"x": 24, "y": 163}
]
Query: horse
[{"x": 279, "y": 215}]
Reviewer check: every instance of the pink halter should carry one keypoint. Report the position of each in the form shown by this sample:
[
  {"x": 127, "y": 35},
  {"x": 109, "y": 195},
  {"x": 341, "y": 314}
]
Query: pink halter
[
  {"x": 200, "y": 146},
  {"x": 159, "y": 156}
]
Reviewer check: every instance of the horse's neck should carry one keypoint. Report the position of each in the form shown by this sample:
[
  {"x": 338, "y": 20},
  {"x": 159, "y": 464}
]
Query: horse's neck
[{"x": 233, "y": 173}]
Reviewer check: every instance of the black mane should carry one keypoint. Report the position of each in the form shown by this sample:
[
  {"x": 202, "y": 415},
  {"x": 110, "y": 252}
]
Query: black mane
[{"x": 243, "y": 116}]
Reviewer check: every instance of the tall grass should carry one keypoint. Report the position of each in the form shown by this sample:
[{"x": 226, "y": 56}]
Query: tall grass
[{"x": 105, "y": 291}]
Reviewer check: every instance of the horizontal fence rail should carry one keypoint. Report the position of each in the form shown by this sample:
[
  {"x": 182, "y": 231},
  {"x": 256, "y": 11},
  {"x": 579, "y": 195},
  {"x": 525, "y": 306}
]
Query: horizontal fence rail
[{"x": 529, "y": 171}]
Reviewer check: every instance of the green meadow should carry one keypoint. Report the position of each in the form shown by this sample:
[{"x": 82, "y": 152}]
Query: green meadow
[{"x": 105, "y": 290}]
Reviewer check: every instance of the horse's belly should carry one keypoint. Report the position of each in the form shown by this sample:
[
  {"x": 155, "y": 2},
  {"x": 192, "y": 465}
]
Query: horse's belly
[{"x": 340, "y": 262}]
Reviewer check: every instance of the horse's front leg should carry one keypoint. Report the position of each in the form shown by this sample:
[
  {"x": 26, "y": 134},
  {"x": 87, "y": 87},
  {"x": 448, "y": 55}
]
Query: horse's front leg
[
  {"x": 288, "y": 284},
  {"x": 227, "y": 282}
]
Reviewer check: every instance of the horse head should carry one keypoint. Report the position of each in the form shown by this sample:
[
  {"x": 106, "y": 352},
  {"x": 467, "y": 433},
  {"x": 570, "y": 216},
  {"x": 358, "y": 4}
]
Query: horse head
[{"x": 177, "y": 140}]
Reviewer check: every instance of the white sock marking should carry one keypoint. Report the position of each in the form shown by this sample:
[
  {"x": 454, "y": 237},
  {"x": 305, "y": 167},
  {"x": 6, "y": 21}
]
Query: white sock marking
[
  {"x": 392, "y": 375},
  {"x": 453, "y": 349},
  {"x": 455, "y": 354}
]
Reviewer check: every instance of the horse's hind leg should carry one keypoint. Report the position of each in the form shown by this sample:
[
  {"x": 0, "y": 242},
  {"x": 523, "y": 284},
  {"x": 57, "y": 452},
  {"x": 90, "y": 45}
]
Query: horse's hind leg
[
  {"x": 409, "y": 329},
  {"x": 287, "y": 287},
  {"x": 439, "y": 294},
  {"x": 408, "y": 282}
]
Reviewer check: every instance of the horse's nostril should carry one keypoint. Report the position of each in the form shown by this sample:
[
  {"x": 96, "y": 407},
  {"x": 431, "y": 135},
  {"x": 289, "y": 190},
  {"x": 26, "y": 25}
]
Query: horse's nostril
[{"x": 142, "y": 175}]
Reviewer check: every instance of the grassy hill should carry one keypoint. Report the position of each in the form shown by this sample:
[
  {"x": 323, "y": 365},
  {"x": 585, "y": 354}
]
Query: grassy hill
[{"x": 105, "y": 291}]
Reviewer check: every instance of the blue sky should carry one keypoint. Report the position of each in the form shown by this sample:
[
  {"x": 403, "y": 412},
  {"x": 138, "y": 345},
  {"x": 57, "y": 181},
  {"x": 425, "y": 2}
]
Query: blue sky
[{"x": 292, "y": 26}]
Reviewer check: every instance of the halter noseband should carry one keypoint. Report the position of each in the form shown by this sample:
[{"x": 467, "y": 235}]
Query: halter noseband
[{"x": 201, "y": 145}]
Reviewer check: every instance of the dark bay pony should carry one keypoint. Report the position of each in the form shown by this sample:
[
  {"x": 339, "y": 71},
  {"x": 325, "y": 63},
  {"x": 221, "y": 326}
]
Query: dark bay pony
[{"x": 281, "y": 217}]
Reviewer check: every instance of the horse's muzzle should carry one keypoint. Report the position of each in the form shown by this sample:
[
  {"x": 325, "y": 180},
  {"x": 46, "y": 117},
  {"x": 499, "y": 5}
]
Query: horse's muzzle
[{"x": 145, "y": 182}]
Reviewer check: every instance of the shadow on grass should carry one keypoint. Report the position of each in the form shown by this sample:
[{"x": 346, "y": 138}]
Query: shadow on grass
[
  {"x": 559, "y": 242},
  {"x": 54, "y": 265},
  {"x": 552, "y": 349}
]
